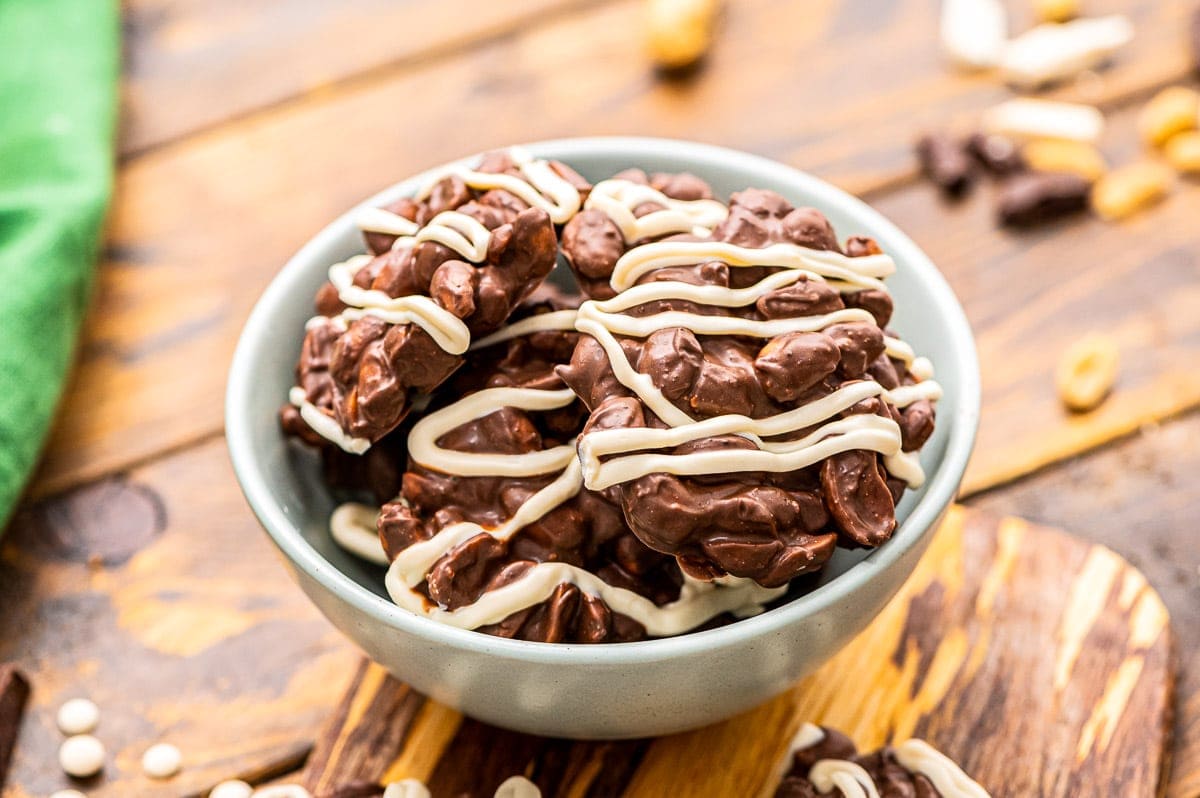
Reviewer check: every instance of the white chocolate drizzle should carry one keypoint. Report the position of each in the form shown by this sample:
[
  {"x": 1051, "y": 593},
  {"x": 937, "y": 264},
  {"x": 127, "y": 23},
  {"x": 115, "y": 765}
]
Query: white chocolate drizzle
[
  {"x": 540, "y": 322},
  {"x": 807, "y": 736},
  {"x": 325, "y": 425},
  {"x": 915, "y": 756},
  {"x": 541, "y": 187},
  {"x": 857, "y": 273},
  {"x": 380, "y": 220},
  {"x": 517, "y": 787},
  {"x": 449, "y": 331},
  {"x": 618, "y": 199},
  {"x": 605, "y": 320},
  {"x": 407, "y": 788},
  {"x": 423, "y": 448},
  {"x": 352, "y": 526},
  {"x": 947, "y": 777},
  {"x": 851, "y": 779}
]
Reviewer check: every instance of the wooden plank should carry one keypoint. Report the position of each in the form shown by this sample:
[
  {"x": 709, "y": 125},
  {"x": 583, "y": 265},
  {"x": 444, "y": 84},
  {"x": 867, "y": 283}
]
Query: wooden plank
[
  {"x": 1037, "y": 660},
  {"x": 1141, "y": 497},
  {"x": 174, "y": 293},
  {"x": 196, "y": 63},
  {"x": 225, "y": 58},
  {"x": 157, "y": 596}
]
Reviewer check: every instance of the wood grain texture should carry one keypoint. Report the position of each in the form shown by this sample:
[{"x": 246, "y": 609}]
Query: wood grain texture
[
  {"x": 1141, "y": 498},
  {"x": 1038, "y": 661},
  {"x": 197, "y": 63},
  {"x": 199, "y": 228},
  {"x": 157, "y": 596}
]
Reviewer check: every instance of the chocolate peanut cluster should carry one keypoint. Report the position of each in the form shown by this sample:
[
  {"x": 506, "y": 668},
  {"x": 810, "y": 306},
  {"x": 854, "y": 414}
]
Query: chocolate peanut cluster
[
  {"x": 365, "y": 372},
  {"x": 912, "y": 769},
  {"x": 770, "y": 527},
  {"x": 722, "y": 408}
]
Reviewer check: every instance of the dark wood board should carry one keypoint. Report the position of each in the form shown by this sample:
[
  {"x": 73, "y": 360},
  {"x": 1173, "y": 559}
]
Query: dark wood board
[
  {"x": 1038, "y": 661},
  {"x": 1140, "y": 497}
]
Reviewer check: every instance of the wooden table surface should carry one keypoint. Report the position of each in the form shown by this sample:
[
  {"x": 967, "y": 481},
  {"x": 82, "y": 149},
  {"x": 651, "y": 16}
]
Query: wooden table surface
[{"x": 135, "y": 573}]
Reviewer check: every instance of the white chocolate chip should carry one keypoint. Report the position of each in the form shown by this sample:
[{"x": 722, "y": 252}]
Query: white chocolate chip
[
  {"x": 78, "y": 716},
  {"x": 282, "y": 791},
  {"x": 232, "y": 789},
  {"x": 161, "y": 761},
  {"x": 1053, "y": 52},
  {"x": 68, "y": 794},
  {"x": 81, "y": 756},
  {"x": 974, "y": 32},
  {"x": 518, "y": 787},
  {"x": 1028, "y": 118},
  {"x": 406, "y": 788}
]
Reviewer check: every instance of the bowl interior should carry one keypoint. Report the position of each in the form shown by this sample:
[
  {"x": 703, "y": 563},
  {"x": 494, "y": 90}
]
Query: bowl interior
[{"x": 283, "y": 482}]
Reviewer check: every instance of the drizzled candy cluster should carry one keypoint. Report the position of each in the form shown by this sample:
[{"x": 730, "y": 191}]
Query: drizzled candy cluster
[{"x": 718, "y": 408}]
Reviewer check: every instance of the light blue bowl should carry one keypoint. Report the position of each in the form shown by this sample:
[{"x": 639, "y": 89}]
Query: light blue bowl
[{"x": 613, "y": 690}]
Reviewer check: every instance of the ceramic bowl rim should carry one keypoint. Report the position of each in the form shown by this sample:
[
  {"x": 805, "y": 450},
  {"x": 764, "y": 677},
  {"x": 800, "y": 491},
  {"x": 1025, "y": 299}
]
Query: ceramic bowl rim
[{"x": 940, "y": 491}]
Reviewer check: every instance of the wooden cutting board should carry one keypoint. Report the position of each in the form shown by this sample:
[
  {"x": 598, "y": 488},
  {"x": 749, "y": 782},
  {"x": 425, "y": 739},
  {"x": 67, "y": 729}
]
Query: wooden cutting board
[{"x": 1040, "y": 662}]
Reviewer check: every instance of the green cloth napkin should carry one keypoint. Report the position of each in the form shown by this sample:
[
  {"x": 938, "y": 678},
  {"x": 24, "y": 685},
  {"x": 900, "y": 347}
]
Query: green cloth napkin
[{"x": 59, "y": 64}]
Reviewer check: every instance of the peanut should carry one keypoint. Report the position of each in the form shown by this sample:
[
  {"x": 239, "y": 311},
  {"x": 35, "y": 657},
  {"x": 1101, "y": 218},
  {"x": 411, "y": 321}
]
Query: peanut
[
  {"x": 1183, "y": 152},
  {"x": 1131, "y": 188},
  {"x": 1172, "y": 110},
  {"x": 679, "y": 32},
  {"x": 1056, "y": 10},
  {"x": 1087, "y": 371},
  {"x": 1060, "y": 155}
]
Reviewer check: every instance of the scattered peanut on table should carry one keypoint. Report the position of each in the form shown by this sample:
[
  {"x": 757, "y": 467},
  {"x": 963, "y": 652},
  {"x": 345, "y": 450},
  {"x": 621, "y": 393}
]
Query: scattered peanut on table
[
  {"x": 1056, "y": 10},
  {"x": 1058, "y": 155},
  {"x": 679, "y": 32},
  {"x": 1127, "y": 190},
  {"x": 1173, "y": 110},
  {"x": 1087, "y": 372},
  {"x": 1183, "y": 152}
]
